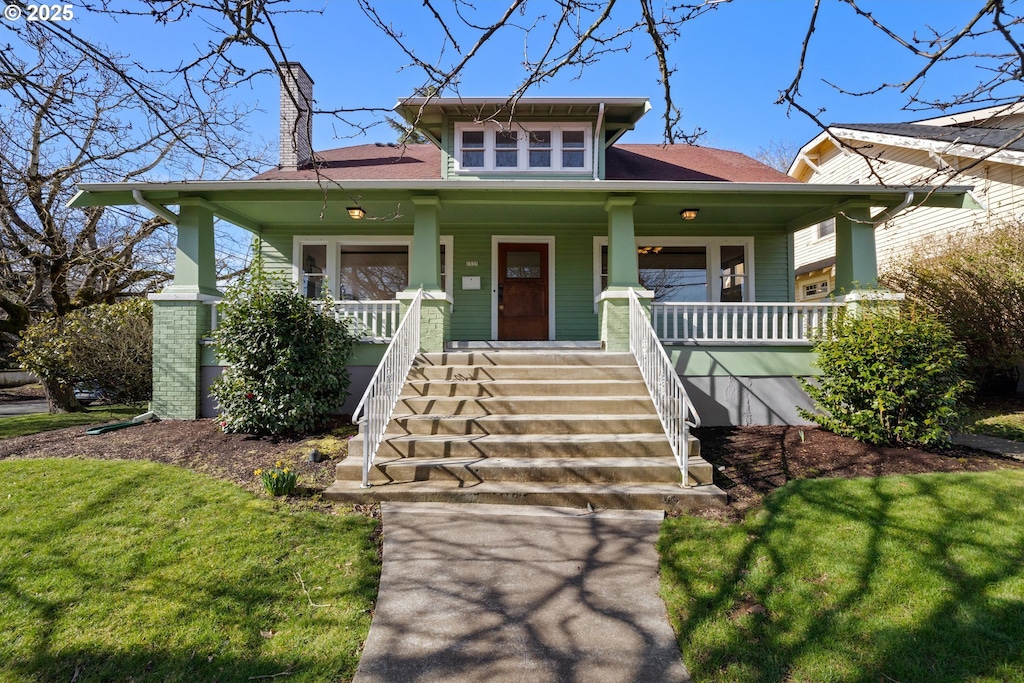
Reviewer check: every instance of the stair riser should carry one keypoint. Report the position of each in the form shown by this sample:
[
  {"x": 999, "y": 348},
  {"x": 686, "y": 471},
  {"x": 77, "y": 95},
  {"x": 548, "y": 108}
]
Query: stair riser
[
  {"x": 506, "y": 358},
  {"x": 536, "y": 449},
  {"x": 409, "y": 471},
  {"x": 583, "y": 425},
  {"x": 567, "y": 390},
  {"x": 683, "y": 501},
  {"x": 473, "y": 407},
  {"x": 464, "y": 372}
]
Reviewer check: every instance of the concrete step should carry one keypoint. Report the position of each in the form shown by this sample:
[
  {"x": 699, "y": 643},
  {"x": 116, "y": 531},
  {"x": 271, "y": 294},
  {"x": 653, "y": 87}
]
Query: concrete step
[
  {"x": 505, "y": 357},
  {"x": 599, "y": 496},
  {"x": 524, "y": 372},
  {"x": 565, "y": 388},
  {"x": 524, "y": 405},
  {"x": 473, "y": 471},
  {"x": 524, "y": 424},
  {"x": 524, "y": 446}
]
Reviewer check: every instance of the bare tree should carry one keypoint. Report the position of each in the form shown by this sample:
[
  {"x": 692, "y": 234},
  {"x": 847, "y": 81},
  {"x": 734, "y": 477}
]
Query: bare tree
[
  {"x": 69, "y": 120},
  {"x": 779, "y": 154}
]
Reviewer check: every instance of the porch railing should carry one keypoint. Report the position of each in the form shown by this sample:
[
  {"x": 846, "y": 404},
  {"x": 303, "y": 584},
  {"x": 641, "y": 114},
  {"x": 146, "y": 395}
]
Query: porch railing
[
  {"x": 373, "y": 321},
  {"x": 755, "y": 323},
  {"x": 675, "y": 410},
  {"x": 381, "y": 396}
]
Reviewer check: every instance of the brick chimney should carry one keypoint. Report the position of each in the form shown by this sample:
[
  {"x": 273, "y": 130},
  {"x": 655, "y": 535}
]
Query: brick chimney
[{"x": 296, "y": 121}]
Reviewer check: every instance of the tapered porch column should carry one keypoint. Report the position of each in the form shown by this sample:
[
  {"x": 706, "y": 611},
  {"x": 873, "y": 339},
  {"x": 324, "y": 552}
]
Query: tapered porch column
[
  {"x": 623, "y": 274},
  {"x": 425, "y": 272},
  {"x": 182, "y": 316},
  {"x": 856, "y": 260}
]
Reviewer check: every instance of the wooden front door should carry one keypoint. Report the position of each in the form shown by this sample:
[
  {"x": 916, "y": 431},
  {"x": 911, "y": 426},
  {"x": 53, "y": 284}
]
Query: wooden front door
[{"x": 522, "y": 291}]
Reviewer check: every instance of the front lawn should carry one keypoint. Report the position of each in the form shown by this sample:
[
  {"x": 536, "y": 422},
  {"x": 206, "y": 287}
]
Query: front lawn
[
  {"x": 117, "y": 571},
  {"x": 910, "y": 578},
  {"x": 20, "y": 425},
  {"x": 1004, "y": 419}
]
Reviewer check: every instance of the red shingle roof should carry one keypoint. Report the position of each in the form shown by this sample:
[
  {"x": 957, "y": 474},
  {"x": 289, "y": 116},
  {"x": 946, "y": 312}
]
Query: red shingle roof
[{"x": 624, "y": 162}]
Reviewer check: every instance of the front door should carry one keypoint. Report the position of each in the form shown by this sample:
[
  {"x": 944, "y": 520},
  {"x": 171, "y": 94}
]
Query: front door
[{"x": 522, "y": 291}]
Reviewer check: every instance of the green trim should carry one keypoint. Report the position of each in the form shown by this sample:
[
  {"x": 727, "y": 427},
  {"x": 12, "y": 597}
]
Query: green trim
[{"x": 742, "y": 361}]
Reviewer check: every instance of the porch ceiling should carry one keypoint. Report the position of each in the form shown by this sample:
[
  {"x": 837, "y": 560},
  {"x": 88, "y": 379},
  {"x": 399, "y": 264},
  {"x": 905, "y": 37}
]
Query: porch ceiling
[{"x": 260, "y": 205}]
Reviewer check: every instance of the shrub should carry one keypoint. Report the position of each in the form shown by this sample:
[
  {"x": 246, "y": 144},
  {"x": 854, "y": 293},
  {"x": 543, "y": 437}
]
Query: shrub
[
  {"x": 974, "y": 282},
  {"x": 890, "y": 374},
  {"x": 105, "y": 346},
  {"x": 286, "y": 362}
]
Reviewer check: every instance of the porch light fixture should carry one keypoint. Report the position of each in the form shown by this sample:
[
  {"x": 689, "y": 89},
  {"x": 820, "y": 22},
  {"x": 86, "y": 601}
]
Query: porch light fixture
[
  {"x": 689, "y": 214},
  {"x": 356, "y": 212}
]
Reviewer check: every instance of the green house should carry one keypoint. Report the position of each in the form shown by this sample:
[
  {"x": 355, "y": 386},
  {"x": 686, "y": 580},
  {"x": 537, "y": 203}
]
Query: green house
[{"x": 524, "y": 222}]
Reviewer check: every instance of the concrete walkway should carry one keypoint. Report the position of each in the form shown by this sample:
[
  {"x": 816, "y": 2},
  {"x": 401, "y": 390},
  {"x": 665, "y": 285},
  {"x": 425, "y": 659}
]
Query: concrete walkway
[
  {"x": 991, "y": 444},
  {"x": 517, "y": 593}
]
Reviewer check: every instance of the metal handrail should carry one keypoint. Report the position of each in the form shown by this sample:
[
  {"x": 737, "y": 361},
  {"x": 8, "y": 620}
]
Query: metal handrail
[
  {"x": 675, "y": 410},
  {"x": 381, "y": 396}
]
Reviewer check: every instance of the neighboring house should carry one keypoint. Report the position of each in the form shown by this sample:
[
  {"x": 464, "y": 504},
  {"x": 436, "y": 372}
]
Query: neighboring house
[
  {"x": 530, "y": 222},
  {"x": 982, "y": 149}
]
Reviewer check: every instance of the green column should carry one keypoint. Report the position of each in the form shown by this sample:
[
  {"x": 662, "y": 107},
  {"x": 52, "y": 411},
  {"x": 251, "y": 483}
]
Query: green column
[
  {"x": 856, "y": 260},
  {"x": 182, "y": 316},
  {"x": 195, "y": 266},
  {"x": 424, "y": 258},
  {"x": 622, "y": 262}
]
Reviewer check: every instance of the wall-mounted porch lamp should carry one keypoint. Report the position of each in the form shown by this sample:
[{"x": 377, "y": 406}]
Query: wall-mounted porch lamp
[
  {"x": 356, "y": 212},
  {"x": 689, "y": 214}
]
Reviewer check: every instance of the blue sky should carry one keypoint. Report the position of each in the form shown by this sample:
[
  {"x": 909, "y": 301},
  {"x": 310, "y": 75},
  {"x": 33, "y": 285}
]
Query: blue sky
[{"x": 731, "y": 64}]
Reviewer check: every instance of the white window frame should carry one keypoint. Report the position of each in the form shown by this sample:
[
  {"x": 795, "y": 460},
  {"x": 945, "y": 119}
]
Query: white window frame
[
  {"x": 523, "y": 149},
  {"x": 334, "y": 244},
  {"x": 825, "y": 230},
  {"x": 713, "y": 250}
]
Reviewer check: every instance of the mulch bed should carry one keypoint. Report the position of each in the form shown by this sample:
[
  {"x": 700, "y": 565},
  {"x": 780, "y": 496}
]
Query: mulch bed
[
  {"x": 754, "y": 461},
  {"x": 751, "y": 461}
]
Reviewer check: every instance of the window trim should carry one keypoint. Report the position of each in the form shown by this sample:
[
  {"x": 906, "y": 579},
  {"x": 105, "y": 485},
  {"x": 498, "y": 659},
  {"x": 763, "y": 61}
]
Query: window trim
[
  {"x": 334, "y": 243},
  {"x": 523, "y": 148},
  {"x": 713, "y": 245}
]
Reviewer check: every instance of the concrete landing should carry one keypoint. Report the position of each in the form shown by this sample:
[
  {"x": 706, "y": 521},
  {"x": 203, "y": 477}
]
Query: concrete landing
[{"x": 509, "y": 593}]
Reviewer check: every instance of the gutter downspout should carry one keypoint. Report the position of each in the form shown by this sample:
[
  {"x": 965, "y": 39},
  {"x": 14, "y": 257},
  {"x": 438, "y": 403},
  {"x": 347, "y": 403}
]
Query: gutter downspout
[
  {"x": 886, "y": 215},
  {"x": 161, "y": 211},
  {"x": 597, "y": 139}
]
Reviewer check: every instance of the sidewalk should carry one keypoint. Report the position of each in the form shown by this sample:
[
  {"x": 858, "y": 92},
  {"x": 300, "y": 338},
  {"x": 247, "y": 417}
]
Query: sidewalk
[
  {"x": 515, "y": 593},
  {"x": 991, "y": 444}
]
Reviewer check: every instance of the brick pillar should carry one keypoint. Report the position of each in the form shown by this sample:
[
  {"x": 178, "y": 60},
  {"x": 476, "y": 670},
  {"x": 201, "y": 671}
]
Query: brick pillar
[
  {"x": 180, "y": 321},
  {"x": 435, "y": 318},
  {"x": 613, "y": 317}
]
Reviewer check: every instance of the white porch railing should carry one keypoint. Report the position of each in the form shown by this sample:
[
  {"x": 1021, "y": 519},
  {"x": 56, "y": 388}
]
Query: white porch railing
[
  {"x": 373, "y": 321},
  {"x": 381, "y": 396},
  {"x": 754, "y": 323},
  {"x": 675, "y": 410}
]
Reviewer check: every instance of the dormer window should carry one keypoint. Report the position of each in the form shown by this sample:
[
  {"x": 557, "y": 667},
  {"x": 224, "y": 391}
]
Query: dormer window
[{"x": 524, "y": 148}]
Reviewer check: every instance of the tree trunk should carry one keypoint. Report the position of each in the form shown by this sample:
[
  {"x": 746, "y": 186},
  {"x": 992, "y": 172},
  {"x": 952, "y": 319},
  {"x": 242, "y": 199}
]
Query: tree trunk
[{"x": 61, "y": 398}]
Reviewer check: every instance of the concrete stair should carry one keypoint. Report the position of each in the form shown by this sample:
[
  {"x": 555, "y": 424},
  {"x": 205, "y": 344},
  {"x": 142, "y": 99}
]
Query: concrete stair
[{"x": 541, "y": 427}]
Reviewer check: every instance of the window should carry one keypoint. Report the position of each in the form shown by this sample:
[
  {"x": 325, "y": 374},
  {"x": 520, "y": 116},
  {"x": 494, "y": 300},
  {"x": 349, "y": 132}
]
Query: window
[
  {"x": 816, "y": 289},
  {"x": 360, "y": 267},
  {"x": 523, "y": 148},
  {"x": 681, "y": 269},
  {"x": 573, "y": 147},
  {"x": 826, "y": 228},
  {"x": 540, "y": 149},
  {"x": 472, "y": 149}
]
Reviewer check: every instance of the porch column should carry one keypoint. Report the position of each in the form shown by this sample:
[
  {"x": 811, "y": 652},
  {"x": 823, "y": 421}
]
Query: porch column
[
  {"x": 425, "y": 272},
  {"x": 182, "y": 316},
  {"x": 623, "y": 273},
  {"x": 856, "y": 260}
]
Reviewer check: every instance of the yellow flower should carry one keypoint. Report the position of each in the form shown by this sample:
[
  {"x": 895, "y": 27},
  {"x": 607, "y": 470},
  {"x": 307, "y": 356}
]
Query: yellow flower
[
  {"x": 286, "y": 470},
  {"x": 258, "y": 472}
]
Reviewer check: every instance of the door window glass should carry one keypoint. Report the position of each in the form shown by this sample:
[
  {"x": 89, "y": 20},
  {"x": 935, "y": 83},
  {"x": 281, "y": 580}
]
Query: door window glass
[{"x": 522, "y": 265}]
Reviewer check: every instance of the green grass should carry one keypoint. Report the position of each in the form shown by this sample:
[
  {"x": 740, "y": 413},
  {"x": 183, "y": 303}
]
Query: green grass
[
  {"x": 917, "y": 578},
  {"x": 1005, "y": 420},
  {"x": 20, "y": 425},
  {"x": 118, "y": 571}
]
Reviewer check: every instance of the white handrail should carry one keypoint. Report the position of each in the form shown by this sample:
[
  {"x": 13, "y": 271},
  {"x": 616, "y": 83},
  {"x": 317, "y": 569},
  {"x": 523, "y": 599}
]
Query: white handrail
[
  {"x": 381, "y": 396},
  {"x": 373, "y": 321},
  {"x": 744, "y": 322},
  {"x": 675, "y": 410}
]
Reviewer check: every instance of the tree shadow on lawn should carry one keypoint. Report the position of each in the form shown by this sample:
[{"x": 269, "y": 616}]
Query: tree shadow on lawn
[
  {"x": 157, "y": 592},
  {"x": 886, "y": 579}
]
